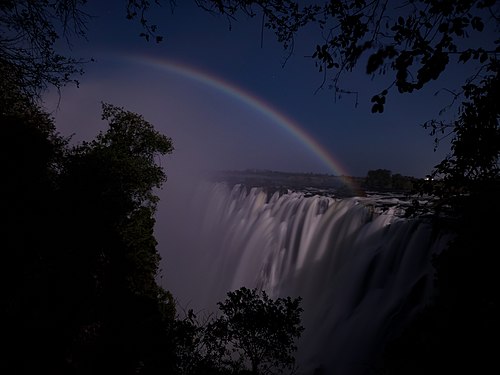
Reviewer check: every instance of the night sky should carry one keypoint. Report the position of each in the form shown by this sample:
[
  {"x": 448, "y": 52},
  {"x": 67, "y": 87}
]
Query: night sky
[{"x": 228, "y": 102}]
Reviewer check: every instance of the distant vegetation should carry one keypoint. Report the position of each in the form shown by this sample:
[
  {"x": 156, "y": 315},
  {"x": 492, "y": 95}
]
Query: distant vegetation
[{"x": 384, "y": 180}]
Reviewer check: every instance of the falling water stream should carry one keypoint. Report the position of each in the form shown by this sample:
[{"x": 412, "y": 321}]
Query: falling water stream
[{"x": 361, "y": 268}]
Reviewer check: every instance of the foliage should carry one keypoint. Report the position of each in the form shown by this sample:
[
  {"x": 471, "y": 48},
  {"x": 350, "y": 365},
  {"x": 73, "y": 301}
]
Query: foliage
[
  {"x": 475, "y": 145},
  {"x": 138, "y": 9},
  {"x": 454, "y": 333},
  {"x": 256, "y": 331},
  {"x": 413, "y": 40},
  {"x": 79, "y": 291},
  {"x": 30, "y": 152},
  {"x": 30, "y": 33},
  {"x": 378, "y": 179},
  {"x": 107, "y": 202},
  {"x": 383, "y": 179}
]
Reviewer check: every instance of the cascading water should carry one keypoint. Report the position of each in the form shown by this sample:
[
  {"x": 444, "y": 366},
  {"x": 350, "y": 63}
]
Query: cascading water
[{"x": 361, "y": 271}]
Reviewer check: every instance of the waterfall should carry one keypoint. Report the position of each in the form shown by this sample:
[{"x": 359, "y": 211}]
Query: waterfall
[{"x": 361, "y": 268}]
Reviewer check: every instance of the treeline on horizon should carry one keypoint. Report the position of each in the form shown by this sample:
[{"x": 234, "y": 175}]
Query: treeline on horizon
[{"x": 382, "y": 180}]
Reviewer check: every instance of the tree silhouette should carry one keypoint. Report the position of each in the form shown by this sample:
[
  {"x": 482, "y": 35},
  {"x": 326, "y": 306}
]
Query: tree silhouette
[
  {"x": 107, "y": 211},
  {"x": 79, "y": 290},
  {"x": 30, "y": 31},
  {"x": 254, "y": 333}
]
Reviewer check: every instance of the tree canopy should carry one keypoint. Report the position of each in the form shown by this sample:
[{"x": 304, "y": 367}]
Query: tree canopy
[
  {"x": 30, "y": 31},
  {"x": 79, "y": 289},
  {"x": 254, "y": 332}
]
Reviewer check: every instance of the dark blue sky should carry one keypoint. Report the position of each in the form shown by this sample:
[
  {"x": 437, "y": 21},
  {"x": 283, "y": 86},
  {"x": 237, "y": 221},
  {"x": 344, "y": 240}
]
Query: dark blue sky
[{"x": 213, "y": 130}]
